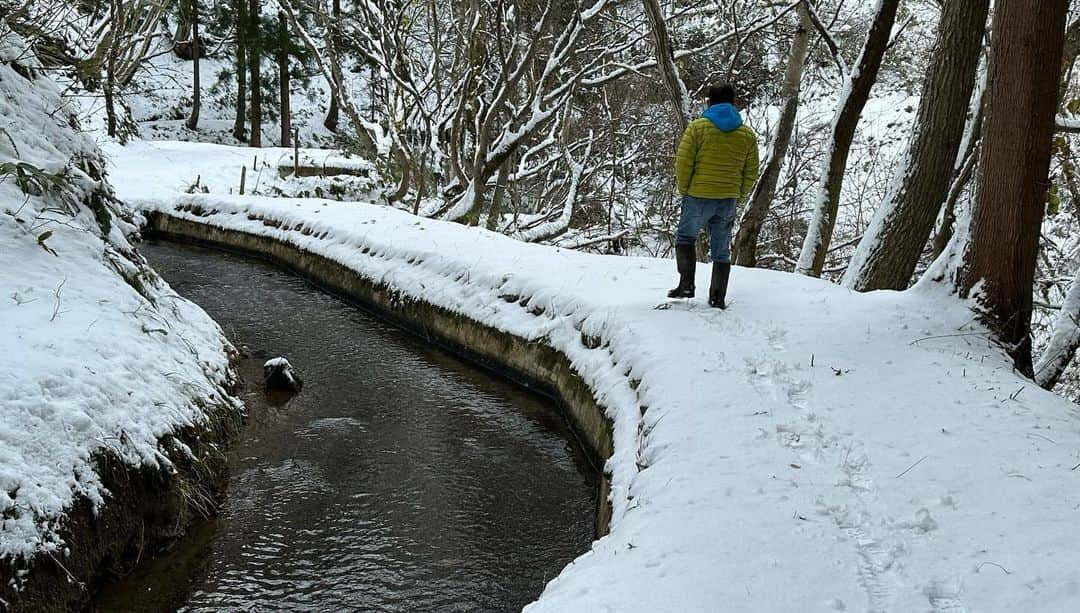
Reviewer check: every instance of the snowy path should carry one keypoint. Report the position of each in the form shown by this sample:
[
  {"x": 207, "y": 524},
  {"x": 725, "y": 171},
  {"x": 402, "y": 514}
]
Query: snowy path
[{"x": 810, "y": 449}]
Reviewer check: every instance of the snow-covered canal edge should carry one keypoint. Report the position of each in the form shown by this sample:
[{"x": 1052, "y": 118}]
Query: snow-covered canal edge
[{"x": 810, "y": 449}]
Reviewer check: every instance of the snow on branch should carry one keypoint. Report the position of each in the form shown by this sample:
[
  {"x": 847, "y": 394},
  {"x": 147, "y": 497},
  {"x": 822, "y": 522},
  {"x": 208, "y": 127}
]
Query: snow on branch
[
  {"x": 1064, "y": 340},
  {"x": 1069, "y": 125},
  {"x": 562, "y": 222}
]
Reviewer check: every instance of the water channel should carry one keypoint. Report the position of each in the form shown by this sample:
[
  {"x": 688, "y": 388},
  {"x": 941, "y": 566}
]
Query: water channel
[{"x": 401, "y": 479}]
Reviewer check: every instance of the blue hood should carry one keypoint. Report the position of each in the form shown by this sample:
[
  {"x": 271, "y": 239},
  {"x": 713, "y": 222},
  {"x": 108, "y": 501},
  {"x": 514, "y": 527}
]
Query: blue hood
[{"x": 724, "y": 116}]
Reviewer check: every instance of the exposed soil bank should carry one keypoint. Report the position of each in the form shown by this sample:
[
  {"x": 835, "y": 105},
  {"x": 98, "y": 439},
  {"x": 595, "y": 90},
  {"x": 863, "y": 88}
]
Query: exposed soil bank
[
  {"x": 535, "y": 365},
  {"x": 148, "y": 510}
]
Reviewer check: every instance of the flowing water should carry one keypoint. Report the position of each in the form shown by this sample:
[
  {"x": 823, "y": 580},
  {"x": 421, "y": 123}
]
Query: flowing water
[{"x": 400, "y": 479}]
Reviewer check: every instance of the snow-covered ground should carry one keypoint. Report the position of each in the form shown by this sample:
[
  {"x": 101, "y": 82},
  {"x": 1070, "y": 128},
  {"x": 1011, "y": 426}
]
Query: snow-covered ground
[
  {"x": 809, "y": 449},
  {"x": 216, "y": 169},
  {"x": 97, "y": 353}
]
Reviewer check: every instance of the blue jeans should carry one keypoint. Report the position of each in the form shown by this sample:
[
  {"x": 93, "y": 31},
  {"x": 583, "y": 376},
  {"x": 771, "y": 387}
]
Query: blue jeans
[{"x": 718, "y": 214}]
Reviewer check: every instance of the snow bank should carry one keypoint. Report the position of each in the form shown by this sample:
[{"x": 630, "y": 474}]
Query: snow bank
[
  {"x": 810, "y": 449},
  {"x": 98, "y": 354}
]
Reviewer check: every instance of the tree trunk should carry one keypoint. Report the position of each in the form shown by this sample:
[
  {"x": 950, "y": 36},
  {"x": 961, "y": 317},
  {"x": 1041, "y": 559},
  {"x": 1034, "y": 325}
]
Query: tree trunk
[
  {"x": 254, "y": 56},
  {"x": 856, "y": 93},
  {"x": 331, "y": 121},
  {"x": 196, "y": 87},
  {"x": 665, "y": 61},
  {"x": 117, "y": 19},
  {"x": 889, "y": 251},
  {"x": 495, "y": 212},
  {"x": 458, "y": 125},
  {"x": 182, "y": 39},
  {"x": 283, "y": 79},
  {"x": 1014, "y": 166},
  {"x": 965, "y": 170},
  {"x": 745, "y": 248},
  {"x": 240, "y": 125},
  {"x": 420, "y": 180},
  {"x": 948, "y": 214}
]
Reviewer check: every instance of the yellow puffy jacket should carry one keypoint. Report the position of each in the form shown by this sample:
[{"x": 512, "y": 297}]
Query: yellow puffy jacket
[{"x": 718, "y": 156}]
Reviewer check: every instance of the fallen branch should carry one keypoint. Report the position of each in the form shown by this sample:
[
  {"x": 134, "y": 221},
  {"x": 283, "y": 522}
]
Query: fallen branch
[
  {"x": 928, "y": 338},
  {"x": 599, "y": 239},
  {"x": 979, "y": 567},
  {"x": 56, "y": 305},
  {"x": 919, "y": 461}
]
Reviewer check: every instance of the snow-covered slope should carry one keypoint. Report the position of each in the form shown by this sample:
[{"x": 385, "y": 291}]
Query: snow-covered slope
[
  {"x": 97, "y": 354},
  {"x": 810, "y": 449}
]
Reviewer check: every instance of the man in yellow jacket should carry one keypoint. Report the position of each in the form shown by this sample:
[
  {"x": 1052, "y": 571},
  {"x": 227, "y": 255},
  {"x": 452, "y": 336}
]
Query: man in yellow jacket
[{"x": 716, "y": 167}]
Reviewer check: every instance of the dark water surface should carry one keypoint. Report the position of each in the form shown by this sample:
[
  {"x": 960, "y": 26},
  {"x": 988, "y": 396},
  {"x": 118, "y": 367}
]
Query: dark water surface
[{"x": 400, "y": 480}]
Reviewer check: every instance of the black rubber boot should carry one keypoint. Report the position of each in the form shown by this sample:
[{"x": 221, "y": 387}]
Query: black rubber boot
[
  {"x": 686, "y": 262},
  {"x": 718, "y": 287}
]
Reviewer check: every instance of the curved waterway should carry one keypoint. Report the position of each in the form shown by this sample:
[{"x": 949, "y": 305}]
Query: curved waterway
[{"x": 400, "y": 479}]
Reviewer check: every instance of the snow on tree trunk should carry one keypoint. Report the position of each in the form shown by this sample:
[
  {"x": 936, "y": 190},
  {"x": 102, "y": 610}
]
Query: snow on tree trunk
[
  {"x": 890, "y": 249},
  {"x": 948, "y": 268},
  {"x": 1064, "y": 340},
  {"x": 745, "y": 248},
  {"x": 966, "y": 162},
  {"x": 852, "y": 100},
  {"x": 1013, "y": 169},
  {"x": 331, "y": 121}
]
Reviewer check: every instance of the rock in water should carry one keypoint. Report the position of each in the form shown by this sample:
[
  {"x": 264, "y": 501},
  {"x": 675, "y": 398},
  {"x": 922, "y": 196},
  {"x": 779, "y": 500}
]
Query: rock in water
[{"x": 278, "y": 374}]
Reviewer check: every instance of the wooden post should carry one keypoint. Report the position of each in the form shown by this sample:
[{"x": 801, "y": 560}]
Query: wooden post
[
  {"x": 296, "y": 152},
  {"x": 243, "y": 178}
]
